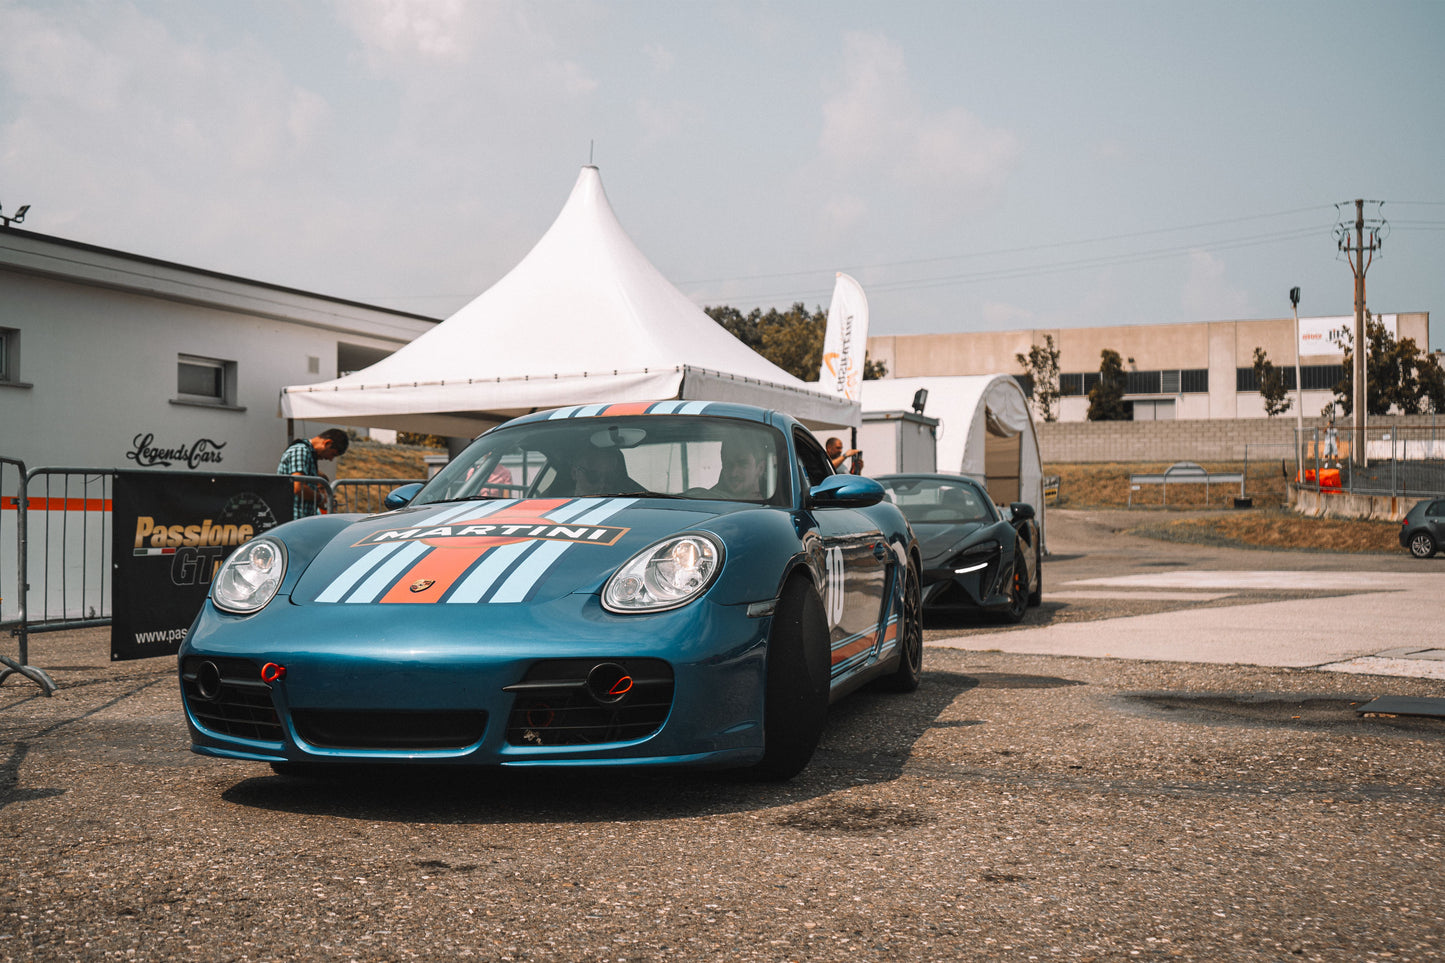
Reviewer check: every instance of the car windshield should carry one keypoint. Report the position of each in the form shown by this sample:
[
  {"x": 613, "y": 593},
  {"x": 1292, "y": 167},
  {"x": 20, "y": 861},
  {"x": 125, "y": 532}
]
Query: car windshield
[
  {"x": 940, "y": 501},
  {"x": 674, "y": 456}
]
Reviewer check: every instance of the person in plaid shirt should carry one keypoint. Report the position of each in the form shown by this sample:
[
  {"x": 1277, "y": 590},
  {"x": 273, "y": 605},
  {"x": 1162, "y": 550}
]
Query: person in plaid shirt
[{"x": 300, "y": 458}]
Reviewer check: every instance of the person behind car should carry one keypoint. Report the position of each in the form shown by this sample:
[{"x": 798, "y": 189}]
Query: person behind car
[
  {"x": 300, "y": 458},
  {"x": 837, "y": 456}
]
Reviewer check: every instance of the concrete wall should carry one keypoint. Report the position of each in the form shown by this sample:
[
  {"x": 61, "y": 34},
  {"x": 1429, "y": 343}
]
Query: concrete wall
[{"x": 1216, "y": 439}]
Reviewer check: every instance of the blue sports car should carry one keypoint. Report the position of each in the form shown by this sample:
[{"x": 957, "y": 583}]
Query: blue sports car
[{"x": 668, "y": 583}]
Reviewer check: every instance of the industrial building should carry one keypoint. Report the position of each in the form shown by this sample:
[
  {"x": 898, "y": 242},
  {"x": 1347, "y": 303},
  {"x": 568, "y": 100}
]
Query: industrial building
[{"x": 1192, "y": 371}]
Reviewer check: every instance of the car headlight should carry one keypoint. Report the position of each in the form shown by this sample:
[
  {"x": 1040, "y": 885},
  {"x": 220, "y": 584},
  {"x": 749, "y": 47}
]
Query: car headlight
[
  {"x": 251, "y": 576},
  {"x": 664, "y": 575}
]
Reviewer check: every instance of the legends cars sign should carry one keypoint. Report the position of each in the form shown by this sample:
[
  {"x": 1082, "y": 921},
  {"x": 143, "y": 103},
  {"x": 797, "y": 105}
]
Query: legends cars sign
[{"x": 170, "y": 533}]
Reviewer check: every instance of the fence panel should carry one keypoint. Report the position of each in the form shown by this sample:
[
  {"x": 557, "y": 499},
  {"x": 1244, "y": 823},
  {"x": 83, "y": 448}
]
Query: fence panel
[
  {"x": 1395, "y": 460},
  {"x": 69, "y": 547},
  {"x": 364, "y": 494}
]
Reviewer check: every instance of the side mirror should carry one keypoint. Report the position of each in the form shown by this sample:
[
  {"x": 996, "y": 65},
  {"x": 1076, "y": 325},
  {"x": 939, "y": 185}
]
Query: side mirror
[
  {"x": 1022, "y": 511},
  {"x": 401, "y": 497},
  {"x": 845, "y": 491}
]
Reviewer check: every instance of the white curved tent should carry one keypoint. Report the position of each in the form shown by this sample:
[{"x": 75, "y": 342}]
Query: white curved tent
[
  {"x": 585, "y": 318},
  {"x": 986, "y": 431}
]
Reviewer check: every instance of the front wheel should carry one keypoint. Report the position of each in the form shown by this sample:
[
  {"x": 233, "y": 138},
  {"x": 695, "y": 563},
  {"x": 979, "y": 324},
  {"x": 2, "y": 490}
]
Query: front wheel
[
  {"x": 1037, "y": 595},
  {"x": 796, "y": 699},
  {"x": 1422, "y": 545},
  {"x": 1018, "y": 593},
  {"x": 910, "y": 638}
]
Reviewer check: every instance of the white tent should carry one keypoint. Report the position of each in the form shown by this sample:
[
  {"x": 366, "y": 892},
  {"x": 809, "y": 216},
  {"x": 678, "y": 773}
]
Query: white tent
[
  {"x": 985, "y": 430},
  {"x": 584, "y": 318}
]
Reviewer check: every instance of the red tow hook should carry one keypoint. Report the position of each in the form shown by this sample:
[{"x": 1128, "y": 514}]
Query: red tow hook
[{"x": 270, "y": 672}]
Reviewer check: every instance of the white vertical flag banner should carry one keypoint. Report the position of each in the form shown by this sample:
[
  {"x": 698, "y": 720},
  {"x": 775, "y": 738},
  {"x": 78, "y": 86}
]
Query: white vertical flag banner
[{"x": 845, "y": 342}]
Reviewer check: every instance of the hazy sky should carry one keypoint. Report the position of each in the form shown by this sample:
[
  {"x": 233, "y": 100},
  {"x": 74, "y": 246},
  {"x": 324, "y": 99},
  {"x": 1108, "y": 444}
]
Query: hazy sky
[{"x": 975, "y": 165}]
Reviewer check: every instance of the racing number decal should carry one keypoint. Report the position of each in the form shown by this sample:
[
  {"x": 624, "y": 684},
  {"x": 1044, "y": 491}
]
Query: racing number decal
[{"x": 833, "y": 592}]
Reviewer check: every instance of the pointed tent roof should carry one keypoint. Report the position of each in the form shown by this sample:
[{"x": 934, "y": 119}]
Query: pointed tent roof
[{"x": 584, "y": 318}]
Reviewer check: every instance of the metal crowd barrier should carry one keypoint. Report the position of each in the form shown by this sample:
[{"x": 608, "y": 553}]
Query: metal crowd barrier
[
  {"x": 364, "y": 494},
  {"x": 1393, "y": 460},
  {"x": 55, "y": 550}
]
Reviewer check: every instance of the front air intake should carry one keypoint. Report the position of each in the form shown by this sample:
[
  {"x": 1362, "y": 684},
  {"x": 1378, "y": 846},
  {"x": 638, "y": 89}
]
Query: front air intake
[
  {"x": 227, "y": 697},
  {"x": 583, "y": 702}
]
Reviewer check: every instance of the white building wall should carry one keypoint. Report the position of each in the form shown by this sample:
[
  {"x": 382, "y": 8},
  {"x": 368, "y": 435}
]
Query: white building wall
[{"x": 98, "y": 354}]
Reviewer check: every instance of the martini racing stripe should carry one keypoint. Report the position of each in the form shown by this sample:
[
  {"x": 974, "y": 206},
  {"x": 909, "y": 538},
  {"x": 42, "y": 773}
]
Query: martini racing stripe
[
  {"x": 496, "y": 561},
  {"x": 358, "y": 568},
  {"x": 377, "y": 582},
  {"x": 354, "y": 572},
  {"x": 521, "y": 581},
  {"x": 636, "y": 408}
]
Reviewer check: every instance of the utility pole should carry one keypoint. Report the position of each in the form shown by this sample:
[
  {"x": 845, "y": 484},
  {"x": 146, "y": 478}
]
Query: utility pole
[{"x": 1360, "y": 255}]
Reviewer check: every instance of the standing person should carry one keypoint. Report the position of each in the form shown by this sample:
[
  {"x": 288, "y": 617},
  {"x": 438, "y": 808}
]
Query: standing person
[
  {"x": 300, "y": 458},
  {"x": 1332, "y": 444},
  {"x": 836, "y": 455}
]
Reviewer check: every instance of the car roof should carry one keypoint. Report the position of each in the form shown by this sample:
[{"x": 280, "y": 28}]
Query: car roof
[{"x": 710, "y": 409}]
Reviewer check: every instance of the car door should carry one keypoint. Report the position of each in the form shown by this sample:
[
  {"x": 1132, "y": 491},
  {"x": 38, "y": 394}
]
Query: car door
[
  {"x": 856, "y": 559},
  {"x": 1435, "y": 520}
]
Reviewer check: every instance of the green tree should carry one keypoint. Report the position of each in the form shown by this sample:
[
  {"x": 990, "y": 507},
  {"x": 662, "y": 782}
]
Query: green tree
[
  {"x": 1106, "y": 399},
  {"x": 1271, "y": 384},
  {"x": 791, "y": 339},
  {"x": 1397, "y": 375},
  {"x": 1041, "y": 364}
]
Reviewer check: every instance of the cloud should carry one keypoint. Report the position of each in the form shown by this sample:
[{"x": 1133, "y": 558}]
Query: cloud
[
  {"x": 511, "y": 45},
  {"x": 876, "y": 128},
  {"x": 1207, "y": 294}
]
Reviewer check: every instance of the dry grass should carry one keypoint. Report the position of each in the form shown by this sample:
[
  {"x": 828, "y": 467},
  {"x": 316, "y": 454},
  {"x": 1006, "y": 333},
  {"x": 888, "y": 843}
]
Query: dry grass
[
  {"x": 1269, "y": 524},
  {"x": 370, "y": 459},
  {"x": 1280, "y": 529},
  {"x": 1106, "y": 485}
]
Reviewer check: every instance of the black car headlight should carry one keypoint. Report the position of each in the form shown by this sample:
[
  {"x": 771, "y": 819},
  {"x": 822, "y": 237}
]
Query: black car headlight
[
  {"x": 664, "y": 575},
  {"x": 251, "y": 576},
  {"x": 976, "y": 559}
]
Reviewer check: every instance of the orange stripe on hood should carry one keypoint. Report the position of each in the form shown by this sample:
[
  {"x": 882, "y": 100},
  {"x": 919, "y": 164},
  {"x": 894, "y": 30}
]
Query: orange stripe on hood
[{"x": 442, "y": 566}]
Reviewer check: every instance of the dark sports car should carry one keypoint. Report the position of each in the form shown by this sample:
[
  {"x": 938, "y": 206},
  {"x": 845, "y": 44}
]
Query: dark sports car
[
  {"x": 669, "y": 583},
  {"x": 974, "y": 555}
]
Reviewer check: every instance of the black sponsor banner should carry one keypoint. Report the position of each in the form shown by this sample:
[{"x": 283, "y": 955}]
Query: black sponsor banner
[{"x": 170, "y": 533}]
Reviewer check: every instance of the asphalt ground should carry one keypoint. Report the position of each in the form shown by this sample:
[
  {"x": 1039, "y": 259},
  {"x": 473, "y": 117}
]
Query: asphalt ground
[{"x": 1021, "y": 805}]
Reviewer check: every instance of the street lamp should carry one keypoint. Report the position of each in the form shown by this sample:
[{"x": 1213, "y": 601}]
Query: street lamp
[{"x": 1299, "y": 408}]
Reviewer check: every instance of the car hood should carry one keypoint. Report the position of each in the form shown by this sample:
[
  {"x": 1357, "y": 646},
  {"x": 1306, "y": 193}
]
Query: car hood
[
  {"x": 939, "y": 541},
  {"x": 501, "y": 550}
]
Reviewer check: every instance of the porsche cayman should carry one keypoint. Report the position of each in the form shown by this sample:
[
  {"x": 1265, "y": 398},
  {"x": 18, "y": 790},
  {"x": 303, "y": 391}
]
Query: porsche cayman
[{"x": 663, "y": 584}]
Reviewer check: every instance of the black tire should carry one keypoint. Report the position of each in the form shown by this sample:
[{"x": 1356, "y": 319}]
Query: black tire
[
  {"x": 798, "y": 666},
  {"x": 1422, "y": 545},
  {"x": 1018, "y": 593},
  {"x": 910, "y": 638},
  {"x": 1037, "y": 595}
]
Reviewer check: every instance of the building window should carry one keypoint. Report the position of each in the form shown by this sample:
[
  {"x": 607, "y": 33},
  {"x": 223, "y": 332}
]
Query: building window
[
  {"x": 1026, "y": 382},
  {"x": 9, "y": 354},
  {"x": 1071, "y": 384},
  {"x": 1142, "y": 382},
  {"x": 205, "y": 381},
  {"x": 1194, "y": 381},
  {"x": 1321, "y": 377}
]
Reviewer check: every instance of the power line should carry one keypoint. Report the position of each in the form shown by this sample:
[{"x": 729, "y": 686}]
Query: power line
[
  {"x": 1038, "y": 270},
  {"x": 1014, "y": 250}
]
